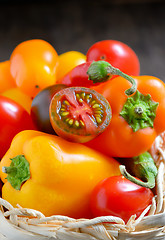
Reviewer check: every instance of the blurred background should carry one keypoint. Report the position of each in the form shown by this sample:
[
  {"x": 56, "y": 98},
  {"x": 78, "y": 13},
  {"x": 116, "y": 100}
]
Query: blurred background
[{"x": 76, "y": 25}]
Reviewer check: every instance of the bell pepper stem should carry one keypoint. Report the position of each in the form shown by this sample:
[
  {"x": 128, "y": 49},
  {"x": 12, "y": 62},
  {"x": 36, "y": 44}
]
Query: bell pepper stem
[
  {"x": 131, "y": 90},
  {"x": 18, "y": 171},
  {"x": 9, "y": 170},
  {"x": 150, "y": 181},
  {"x": 101, "y": 71}
]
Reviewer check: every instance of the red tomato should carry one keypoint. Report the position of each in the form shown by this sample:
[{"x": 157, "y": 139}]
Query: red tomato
[
  {"x": 116, "y": 53},
  {"x": 77, "y": 76},
  {"x": 79, "y": 114},
  {"x": 117, "y": 196},
  {"x": 14, "y": 118}
]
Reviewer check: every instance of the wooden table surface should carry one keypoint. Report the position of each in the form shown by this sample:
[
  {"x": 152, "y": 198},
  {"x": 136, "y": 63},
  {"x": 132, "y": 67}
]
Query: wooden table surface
[{"x": 76, "y": 25}]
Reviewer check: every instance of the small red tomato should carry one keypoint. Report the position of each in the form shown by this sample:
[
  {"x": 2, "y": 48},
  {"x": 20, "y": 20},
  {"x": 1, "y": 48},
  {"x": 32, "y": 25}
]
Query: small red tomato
[
  {"x": 77, "y": 76},
  {"x": 14, "y": 118},
  {"x": 117, "y": 196},
  {"x": 118, "y": 54},
  {"x": 79, "y": 114}
]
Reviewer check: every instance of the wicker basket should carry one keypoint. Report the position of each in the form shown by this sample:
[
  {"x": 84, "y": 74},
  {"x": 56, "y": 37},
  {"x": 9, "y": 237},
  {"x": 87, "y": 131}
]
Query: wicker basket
[{"x": 27, "y": 224}]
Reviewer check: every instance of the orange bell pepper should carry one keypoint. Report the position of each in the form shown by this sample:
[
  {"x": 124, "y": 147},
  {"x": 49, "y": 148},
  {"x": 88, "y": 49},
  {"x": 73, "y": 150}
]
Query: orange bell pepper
[
  {"x": 137, "y": 119},
  {"x": 52, "y": 175}
]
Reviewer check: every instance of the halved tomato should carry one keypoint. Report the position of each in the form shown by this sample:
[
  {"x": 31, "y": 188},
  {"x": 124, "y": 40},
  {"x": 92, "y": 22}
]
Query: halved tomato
[{"x": 79, "y": 114}]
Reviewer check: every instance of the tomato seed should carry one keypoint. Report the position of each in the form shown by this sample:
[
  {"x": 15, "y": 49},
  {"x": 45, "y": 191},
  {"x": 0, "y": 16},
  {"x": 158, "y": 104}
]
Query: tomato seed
[
  {"x": 76, "y": 123},
  {"x": 70, "y": 121},
  {"x": 64, "y": 114},
  {"x": 98, "y": 120},
  {"x": 80, "y": 100},
  {"x": 96, "y": 105},
  {"x": 66, "y": 102}
]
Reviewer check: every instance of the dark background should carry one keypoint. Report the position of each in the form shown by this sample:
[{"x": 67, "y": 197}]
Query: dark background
[{"x": 76, "y": 25}]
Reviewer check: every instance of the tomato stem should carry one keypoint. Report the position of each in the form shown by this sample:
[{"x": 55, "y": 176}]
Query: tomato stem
[
  {"x": 143, "y": 167},
  {"x": 102, "y": 71}
]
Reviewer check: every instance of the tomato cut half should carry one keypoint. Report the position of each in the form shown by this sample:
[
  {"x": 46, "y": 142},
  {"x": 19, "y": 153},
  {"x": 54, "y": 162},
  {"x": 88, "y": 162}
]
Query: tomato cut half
[{"x": 79, "y": 114}]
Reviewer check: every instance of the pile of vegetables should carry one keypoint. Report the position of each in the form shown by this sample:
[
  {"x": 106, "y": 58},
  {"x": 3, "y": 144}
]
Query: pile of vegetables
[{"x": 76, "y": 130}]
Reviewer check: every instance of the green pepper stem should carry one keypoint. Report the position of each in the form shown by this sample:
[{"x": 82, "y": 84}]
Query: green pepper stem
[
  {"x": 9, "y": 170},
  {"x": 18, "y": 171},
  {"x": 150, "y": 180},
  {"x": 101, "y": 71},
  {"x": 139, "y": 111},
  {"x": 131, "y": 90}
]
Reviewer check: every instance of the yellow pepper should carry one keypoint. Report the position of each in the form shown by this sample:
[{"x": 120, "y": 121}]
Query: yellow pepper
[{"x": 52, "y": 175}]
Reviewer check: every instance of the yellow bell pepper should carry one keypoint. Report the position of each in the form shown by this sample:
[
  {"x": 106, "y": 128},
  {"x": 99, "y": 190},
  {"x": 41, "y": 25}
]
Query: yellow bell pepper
[{"x": 52, "y": 175}]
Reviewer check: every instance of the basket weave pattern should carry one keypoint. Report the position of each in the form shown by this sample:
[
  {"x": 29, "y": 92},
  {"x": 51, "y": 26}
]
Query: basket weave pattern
[{"x": 28, "y": 224}]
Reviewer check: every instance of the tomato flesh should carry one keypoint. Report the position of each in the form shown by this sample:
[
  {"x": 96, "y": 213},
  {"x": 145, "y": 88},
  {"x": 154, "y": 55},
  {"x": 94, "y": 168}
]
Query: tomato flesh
[{"x": 79, "y": 114}]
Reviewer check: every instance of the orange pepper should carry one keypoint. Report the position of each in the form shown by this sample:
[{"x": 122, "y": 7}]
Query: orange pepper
[
  {"x": 136, "y": 120},
  {"x": 62, "y": 174}
]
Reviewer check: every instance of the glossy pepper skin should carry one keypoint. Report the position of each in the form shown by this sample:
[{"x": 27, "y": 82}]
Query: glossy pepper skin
[
  {"x": 119, "y": 139},
  {"x": 62, "y": 174}
]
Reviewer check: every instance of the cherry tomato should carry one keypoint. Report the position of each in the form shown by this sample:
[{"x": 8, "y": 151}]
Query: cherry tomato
[
  {"x": 79, "y": 114},
  {"x": 14, "y": 118},
  {"x": 117, "y": 196},
  {"x": 67, "y": 61},
  {"x": 77, "y": 77},
  {"x": 116, "y": 53},
  {"x": 40, "y": 108},
  {"x": 6, "y": 80},
  {"x": 21, "y": 98},
  {"x": 33, "y": 66}
]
